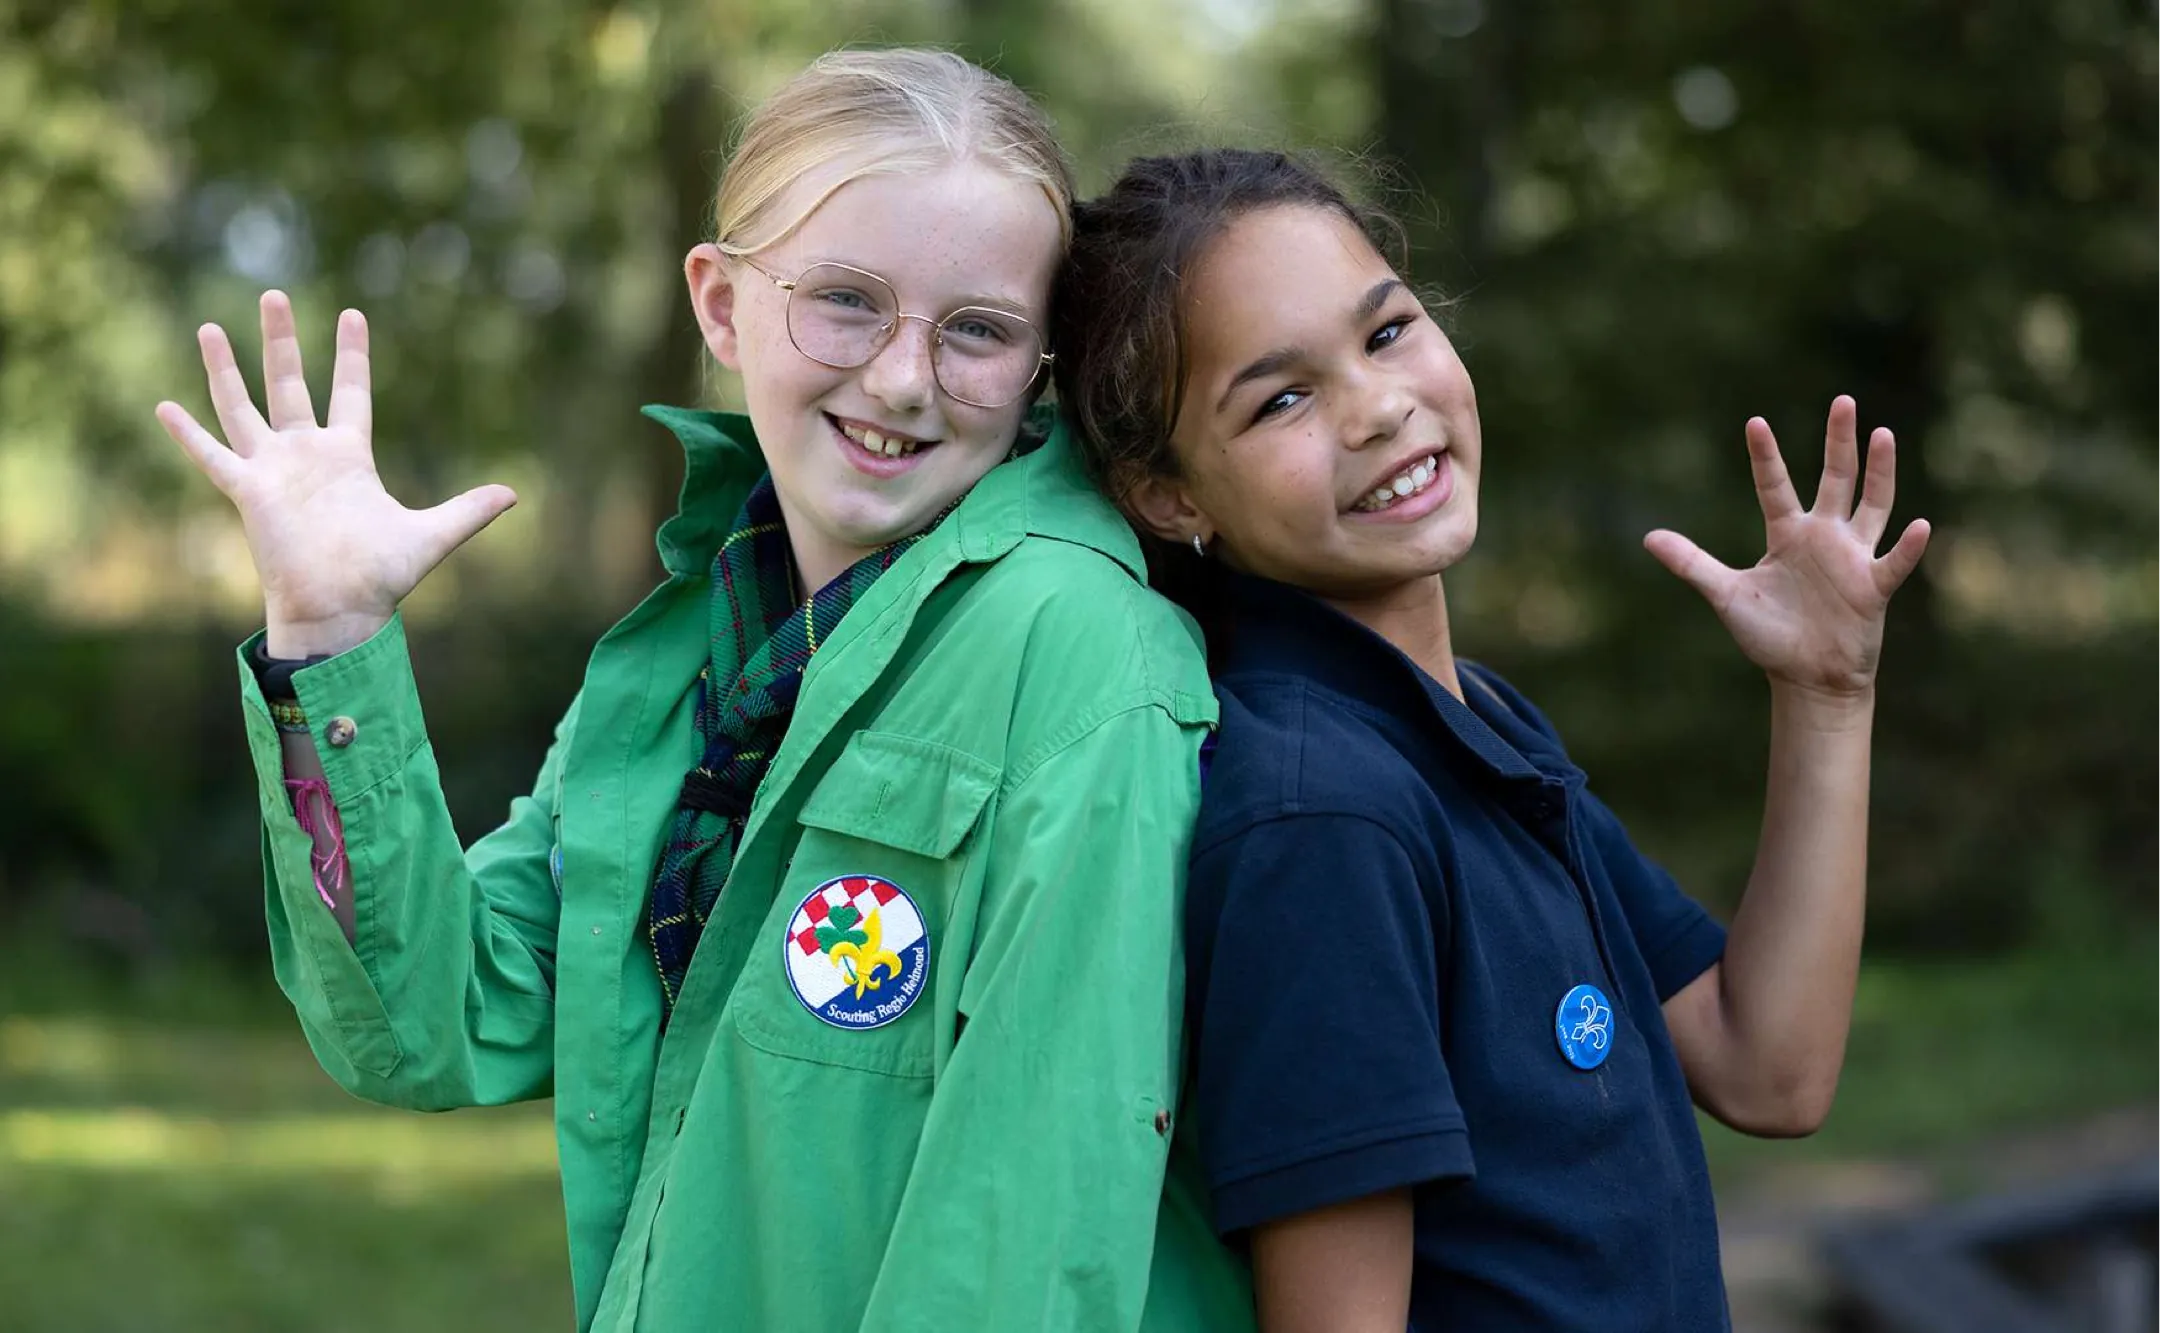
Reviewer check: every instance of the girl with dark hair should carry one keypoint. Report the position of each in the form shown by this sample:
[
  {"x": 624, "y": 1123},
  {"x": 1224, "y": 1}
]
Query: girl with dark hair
[{"x": 1447, "y": 1020}]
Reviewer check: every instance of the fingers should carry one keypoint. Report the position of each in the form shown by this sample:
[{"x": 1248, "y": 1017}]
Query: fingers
[
  {"x": 1841, "y": 459},
  {"x": 1878, "y": 490},
  {"x": 1695, "y": 566},
  {"x": 243, "y": 425},
  {"x": 352, "y": 401},
  {"x": 284, "y": 384},
  {"x": 215, "y": 461},
  {"x": 454, "y": 521},
  {"x": 1773, "y": 485},
  {"x": 1893, "y": 569}
]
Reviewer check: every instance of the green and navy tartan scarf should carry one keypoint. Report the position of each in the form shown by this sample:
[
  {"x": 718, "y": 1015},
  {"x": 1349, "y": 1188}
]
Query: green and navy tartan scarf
[{"x": 761, "y": 643}]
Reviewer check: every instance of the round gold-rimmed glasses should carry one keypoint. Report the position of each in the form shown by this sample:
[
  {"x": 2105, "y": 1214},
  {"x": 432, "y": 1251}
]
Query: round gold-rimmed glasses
[{"x": 842, "y": 317}]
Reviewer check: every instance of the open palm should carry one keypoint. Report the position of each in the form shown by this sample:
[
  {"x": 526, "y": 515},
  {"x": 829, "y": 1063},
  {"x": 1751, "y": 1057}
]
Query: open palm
[
  {"x": 335, "y": 552},
  {"x": 1810, "y": 612}
]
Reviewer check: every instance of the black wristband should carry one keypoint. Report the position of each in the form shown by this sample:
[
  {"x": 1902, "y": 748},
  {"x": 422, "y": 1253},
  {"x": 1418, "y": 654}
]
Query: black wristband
[{"x": 274, "y": 674}]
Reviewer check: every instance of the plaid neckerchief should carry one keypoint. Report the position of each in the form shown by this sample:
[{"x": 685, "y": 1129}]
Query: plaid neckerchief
[{"x": 761, "y": 644}]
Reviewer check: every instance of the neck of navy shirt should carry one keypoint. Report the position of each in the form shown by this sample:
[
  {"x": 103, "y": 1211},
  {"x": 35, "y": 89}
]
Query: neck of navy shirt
[{"x": 1423, "y": 956}]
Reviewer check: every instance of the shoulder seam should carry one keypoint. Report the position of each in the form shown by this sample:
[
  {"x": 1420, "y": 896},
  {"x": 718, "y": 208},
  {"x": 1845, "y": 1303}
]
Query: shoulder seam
[
  {"x": 1017, "y": 775},
  {"x": 1190, "y": 701},
  {"x": 1307, "y": 690},
  {"x": 1250, "y": 823}
]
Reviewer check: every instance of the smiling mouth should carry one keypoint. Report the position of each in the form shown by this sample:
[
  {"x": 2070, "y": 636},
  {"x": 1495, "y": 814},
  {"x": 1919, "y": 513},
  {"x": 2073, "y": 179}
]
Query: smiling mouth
[
  {"x": 1412, "y": 480},
  {"x": 876, "y": 442}
]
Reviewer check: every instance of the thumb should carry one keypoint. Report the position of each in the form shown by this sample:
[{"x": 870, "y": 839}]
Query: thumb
[
  {"x": 454, "y": 522},
  {"x": 1693, "y": 565},
  {"x": 1893, "y": 569}
]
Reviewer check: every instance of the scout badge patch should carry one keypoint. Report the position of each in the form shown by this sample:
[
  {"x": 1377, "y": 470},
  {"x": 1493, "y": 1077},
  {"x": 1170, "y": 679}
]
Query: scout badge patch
[{"x": 857, "y": 952}]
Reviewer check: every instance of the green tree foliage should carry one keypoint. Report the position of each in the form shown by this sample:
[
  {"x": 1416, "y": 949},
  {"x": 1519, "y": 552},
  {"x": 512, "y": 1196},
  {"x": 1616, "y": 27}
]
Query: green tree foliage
[
  {"x": 1665, "y": 218},
  {"x": 1658, "y": 219}
]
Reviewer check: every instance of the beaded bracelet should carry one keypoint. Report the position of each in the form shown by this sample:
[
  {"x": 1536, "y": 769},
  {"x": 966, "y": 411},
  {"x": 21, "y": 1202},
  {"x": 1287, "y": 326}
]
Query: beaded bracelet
[{"x": 289, "y": 716}]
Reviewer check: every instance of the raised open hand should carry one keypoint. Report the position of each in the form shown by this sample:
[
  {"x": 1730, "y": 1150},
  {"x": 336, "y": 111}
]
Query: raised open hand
[
  {"x": 336, "y": 554},
  {"x": 1810, "y": 612}
]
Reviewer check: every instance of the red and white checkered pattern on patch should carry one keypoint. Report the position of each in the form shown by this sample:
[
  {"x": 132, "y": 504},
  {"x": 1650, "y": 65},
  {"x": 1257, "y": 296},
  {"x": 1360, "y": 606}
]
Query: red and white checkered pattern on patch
[
  {"x": 886, "y": 922},
  {"x": 865, "y": 892}
]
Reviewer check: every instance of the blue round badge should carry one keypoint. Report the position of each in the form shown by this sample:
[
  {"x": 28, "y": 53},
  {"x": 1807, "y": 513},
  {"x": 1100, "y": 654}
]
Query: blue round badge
[
  {"x": 857, "y": 952},
  {"x": 1584, "y": 1027}
]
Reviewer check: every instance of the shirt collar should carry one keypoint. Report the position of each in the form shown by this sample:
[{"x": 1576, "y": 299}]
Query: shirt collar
[
  {"x": 1044, "y": 492},
  {"x": 1273, "y": 628}
]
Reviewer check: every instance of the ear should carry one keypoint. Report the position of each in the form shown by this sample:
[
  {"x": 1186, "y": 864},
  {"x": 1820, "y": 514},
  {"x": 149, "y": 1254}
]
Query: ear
[
  {"x": 711, "y": 276},
  {"x": 1164, "y": 507}
]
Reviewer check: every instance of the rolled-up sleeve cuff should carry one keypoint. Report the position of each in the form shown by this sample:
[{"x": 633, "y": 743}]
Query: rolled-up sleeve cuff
[{"x": 1439, "y": 1153}]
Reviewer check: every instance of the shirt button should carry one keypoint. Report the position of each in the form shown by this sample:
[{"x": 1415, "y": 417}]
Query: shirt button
[
  {"x": 596, "y": 930},
  {"x": 592, "y": 1115},
  {"x": 341, "y": 731}
]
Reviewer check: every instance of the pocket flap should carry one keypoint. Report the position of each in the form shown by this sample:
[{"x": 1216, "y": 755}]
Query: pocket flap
[{"x": 901, "y": 791}]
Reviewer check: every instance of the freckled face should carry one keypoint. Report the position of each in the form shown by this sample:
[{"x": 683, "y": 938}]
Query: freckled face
[{"x": 962, "y": 236}]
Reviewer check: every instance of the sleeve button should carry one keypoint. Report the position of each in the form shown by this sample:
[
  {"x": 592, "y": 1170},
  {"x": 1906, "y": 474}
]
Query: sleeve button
[{"x": 341, "y": 731}]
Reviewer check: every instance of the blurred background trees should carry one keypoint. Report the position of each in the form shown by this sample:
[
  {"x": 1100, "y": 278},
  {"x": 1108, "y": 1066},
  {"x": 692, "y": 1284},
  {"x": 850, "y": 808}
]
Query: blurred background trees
[{"x": 1655, "y": 219}]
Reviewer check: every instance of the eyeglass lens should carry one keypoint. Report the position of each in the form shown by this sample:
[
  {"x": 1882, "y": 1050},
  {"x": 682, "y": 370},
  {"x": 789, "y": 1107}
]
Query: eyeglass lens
[{"x": 843, "y": 318}]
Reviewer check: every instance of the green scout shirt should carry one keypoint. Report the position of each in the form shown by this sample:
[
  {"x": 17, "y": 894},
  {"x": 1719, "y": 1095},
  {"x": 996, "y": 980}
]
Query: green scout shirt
[{"x": 1005, "y": 728}]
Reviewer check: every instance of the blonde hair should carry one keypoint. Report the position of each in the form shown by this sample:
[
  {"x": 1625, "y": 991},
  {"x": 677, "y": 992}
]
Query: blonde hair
[{"x": 886, "y": 112}]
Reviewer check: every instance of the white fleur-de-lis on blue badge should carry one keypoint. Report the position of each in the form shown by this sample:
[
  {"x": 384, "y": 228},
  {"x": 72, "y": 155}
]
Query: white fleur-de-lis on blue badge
[
  {"x": 1596, "y": 1019},
  {"x": 1583, "y": 1027}
]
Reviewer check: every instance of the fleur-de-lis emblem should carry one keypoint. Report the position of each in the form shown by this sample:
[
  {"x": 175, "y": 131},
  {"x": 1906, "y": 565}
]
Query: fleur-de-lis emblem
[
  {"x": 1594, "y": 1029},
  {"x": 858, "y": 953}
]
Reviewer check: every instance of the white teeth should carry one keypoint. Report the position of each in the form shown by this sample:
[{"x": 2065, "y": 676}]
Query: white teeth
[{"x": 1403, "y": 484}]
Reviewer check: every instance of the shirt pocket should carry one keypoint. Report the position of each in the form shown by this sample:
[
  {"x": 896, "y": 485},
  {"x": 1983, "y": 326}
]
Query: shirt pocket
[{"x": 844, "y": 967}]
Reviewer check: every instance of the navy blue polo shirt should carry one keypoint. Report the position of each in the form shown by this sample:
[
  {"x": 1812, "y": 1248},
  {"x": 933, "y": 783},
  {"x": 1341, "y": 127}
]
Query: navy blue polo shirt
[{"x": 1391, "y": 893}]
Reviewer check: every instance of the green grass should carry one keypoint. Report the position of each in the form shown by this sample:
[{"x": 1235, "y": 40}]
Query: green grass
[
  {"x": 172, "y": 1159},
  {"x": 169, "y": 1175}
]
